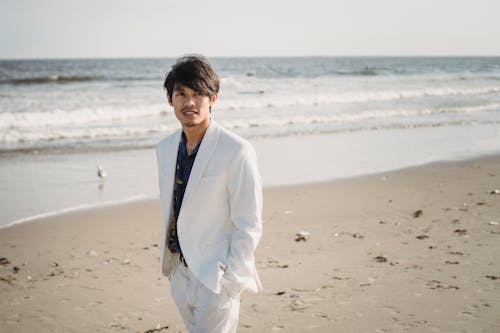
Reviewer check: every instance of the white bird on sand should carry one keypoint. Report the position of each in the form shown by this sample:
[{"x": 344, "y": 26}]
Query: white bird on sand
[{"x": 101, "y": 173}]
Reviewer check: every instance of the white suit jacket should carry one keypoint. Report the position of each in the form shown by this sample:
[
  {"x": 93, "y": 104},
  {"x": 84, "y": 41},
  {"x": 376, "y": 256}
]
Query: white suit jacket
[{"x": 219, "y": 224}]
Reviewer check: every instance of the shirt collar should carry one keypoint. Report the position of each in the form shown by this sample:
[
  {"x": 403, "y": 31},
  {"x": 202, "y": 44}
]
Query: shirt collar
[{"x": 183, "y": 146}]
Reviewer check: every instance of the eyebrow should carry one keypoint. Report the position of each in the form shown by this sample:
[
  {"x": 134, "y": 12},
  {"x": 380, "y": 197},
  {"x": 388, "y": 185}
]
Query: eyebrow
[{"x": 183, "y": 88}]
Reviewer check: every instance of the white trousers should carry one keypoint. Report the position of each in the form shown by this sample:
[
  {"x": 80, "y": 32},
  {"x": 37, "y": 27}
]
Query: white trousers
[{"x": 201, "y": 309}]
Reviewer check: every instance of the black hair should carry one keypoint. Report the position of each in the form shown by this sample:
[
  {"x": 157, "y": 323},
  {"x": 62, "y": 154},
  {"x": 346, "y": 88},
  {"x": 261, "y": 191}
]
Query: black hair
[{"x": 194, "y": 72}]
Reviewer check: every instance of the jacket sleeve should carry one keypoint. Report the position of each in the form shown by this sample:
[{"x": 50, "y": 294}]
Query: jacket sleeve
[{"x": 245, "y": 199}]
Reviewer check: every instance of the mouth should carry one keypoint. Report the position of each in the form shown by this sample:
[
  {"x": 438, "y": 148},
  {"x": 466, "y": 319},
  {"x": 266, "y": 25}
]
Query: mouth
[{"x": 189, "y": 112}]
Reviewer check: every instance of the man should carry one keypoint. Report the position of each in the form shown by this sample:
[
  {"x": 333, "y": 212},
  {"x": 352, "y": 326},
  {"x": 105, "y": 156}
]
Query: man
[{"x": 211, "y": 198}]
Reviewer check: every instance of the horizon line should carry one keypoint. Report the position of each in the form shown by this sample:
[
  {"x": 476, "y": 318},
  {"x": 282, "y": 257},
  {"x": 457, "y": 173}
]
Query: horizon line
[{"x": 262, "y": 56}]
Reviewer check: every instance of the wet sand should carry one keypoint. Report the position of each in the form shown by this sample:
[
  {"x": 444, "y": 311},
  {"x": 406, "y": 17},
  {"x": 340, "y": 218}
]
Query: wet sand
[{"x": 414, "y": 250}]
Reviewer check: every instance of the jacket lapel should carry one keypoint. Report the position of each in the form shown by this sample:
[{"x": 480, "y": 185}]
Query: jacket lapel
[
  {"x": 205, "y": 151},
  {"x": 169, "y": 164}
]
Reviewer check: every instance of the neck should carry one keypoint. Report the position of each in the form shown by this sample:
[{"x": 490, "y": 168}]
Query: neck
[{"x": 194, "y": 135}]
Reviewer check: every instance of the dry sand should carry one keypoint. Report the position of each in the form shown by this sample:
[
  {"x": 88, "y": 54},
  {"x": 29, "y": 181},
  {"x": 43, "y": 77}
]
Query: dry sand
[{"x": 414, "y": 250}]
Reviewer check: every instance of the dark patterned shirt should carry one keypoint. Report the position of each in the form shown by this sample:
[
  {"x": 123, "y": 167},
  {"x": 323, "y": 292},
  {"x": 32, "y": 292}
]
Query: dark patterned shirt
[{"x": 183, "y": 171}]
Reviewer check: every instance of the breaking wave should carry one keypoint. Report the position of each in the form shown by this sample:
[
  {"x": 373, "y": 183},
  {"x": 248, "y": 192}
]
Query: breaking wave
[{"x": 51, "y": 79}]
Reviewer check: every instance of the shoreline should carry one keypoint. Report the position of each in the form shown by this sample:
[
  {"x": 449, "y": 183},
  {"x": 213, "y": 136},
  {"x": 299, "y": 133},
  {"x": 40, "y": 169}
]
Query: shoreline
[
  {"x": 150, "y": 198},
  {"x": 77, "y": 209},
  {"x": 43, "y": 184}
]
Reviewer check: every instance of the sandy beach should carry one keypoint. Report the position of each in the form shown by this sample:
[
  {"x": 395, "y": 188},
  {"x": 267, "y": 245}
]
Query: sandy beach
[{"x": 414, "y": 250}]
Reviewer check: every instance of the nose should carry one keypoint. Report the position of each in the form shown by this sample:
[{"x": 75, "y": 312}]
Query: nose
[{"x": 189, "y": 101}]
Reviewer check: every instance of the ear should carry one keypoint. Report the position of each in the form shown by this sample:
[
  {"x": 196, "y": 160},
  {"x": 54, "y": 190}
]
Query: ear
[
  {"x": 169, "y": 100},
  {"x": 213, "y": 99}
]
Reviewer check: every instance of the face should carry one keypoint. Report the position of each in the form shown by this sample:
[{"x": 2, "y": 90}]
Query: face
[{"x": 190, "y": 107}]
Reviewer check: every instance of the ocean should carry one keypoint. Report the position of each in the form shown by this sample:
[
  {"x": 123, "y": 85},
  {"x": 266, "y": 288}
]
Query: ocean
[{"x": 59, "y": 119}]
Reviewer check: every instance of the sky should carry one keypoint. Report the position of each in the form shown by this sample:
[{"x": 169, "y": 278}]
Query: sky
[{"x": 165, "y": 28}]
